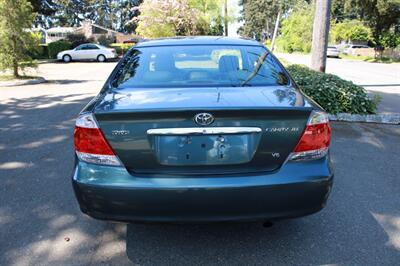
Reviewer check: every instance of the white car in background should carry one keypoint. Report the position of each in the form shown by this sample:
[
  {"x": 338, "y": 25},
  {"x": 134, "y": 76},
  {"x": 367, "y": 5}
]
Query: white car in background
[
  {"x": 350, "y": 49},
  {"x": 88, "y": 51},
  {"x": 332, "y": 52}
]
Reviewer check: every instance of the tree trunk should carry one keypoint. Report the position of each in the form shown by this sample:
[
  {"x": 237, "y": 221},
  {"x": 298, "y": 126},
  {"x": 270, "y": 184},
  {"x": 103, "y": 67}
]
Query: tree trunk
[
  {"x": 320, "y": 35},
  {"x": 15, "y": 61},
  {"x": 278, "y": 17},
  {"x": 226, "y": 17}
]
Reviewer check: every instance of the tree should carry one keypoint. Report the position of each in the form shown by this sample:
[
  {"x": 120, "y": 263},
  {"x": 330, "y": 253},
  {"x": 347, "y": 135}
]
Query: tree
[
  {"x": 389, "y": 40},
  {"x": 296, "y": 30},
  {"x": 102, "y": 12},
  {"x": 163, "y": 18},
  {"x": 16, "y": 18},
  {"x": 350, "y": 31},
  {"x": 379, "y": 15},
  {"x": 260, "y": 16},
  {"x": 320, "y": 35},
  {"x": 118, "y": 15},
  {"x": 44, "y": 10},
  {"x": 127, "y": 12},
  {"x": 210, "y": 20},
  {"x": 70, "y": 13}
]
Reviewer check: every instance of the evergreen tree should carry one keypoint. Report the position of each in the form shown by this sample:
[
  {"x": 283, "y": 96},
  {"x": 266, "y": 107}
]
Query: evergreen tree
[
  {"x": 128, "y": 11},
  {"x": 44, "y": 10},
  {"x": 16, "y": 18}
]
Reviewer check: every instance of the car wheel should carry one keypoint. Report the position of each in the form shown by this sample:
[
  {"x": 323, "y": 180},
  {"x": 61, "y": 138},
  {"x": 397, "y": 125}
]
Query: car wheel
[
  {"x": 67, "y": 58},
  {"x": 101, "y": 58}
]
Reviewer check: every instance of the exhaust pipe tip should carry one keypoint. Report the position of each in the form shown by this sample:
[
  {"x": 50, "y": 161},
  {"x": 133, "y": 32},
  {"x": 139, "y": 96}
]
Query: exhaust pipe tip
[{"x": 267, "y": 224}]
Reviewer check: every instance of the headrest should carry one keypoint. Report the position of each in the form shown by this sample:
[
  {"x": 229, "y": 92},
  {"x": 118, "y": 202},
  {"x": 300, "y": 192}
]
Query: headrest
[{"x": 228, "y": 63}]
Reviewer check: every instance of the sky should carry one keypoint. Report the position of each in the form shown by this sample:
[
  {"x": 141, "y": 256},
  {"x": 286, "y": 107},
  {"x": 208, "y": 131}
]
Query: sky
[{"x": 233, "y": 27}]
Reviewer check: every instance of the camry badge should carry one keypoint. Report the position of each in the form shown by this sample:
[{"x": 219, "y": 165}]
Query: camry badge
[
  {"x": 204, "y": 119},
  {"x": 120, "y": 132}
]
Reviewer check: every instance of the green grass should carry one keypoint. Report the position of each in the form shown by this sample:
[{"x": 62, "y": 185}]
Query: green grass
[{"x": 370, "y": 59}]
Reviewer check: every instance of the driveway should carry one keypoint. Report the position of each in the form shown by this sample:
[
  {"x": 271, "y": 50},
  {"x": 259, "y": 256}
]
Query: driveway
[
  {"x": 40, "y": 223},
  {"x": 377, "y": 78}
]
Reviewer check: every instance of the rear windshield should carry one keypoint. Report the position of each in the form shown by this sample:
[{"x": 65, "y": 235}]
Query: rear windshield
[{"x": 199, "y": 65}]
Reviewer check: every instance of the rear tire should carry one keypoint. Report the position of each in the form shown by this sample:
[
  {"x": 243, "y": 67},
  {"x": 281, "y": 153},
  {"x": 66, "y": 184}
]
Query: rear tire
[
  {"x": 101, "y": 58},
  {"x": 67, "y": 58}
]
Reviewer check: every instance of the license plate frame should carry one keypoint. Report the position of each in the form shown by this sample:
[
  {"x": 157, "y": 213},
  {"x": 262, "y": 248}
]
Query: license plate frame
[{"x": 213, "y": 149}]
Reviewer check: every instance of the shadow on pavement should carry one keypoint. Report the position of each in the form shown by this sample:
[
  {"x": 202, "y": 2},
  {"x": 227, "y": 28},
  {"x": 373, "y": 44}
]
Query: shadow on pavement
[
  {"x": 41, "y": 224},
  {"x": 39, "y": 218},
  {"x": 67, "y": 81},
  {"x": 389, "y": 101},
  {"x": 359, "y": 226}
]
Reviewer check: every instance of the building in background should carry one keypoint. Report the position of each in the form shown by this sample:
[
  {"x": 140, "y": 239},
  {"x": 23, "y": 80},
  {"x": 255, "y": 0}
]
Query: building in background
[
  {"x": 58, "y": 33},
  {"x": 89, "y": 29}
]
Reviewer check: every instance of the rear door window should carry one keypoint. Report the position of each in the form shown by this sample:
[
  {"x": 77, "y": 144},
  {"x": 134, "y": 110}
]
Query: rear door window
[{"x": 199, "y": 65}]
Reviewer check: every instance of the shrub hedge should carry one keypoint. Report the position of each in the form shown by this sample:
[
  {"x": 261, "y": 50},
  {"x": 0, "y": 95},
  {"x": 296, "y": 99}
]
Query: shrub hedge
[
  {"x": 334, "y": 94},
  {"x": 77, "y": 39},
  {"x": 55, "y": 47},
  {"x": 121, "y": 48}
]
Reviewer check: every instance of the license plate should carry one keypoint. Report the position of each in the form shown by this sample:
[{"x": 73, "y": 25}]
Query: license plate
[{"x": 205, "y": 149}]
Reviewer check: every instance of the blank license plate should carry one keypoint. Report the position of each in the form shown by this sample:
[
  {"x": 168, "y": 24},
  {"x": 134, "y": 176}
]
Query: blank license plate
[{"x": 205, "y": 149}]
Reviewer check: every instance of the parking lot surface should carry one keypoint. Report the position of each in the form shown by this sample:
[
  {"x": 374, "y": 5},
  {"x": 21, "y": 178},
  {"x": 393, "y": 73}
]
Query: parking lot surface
[
  {"x": 40, "y": 223},
  {"x": 377, "y": 78}
]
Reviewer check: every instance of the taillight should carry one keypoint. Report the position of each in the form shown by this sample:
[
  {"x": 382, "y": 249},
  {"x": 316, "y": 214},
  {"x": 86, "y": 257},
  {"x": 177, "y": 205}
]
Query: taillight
[
  {"x": 314, "y": 143},
  {"x": 90, "y": 144}
]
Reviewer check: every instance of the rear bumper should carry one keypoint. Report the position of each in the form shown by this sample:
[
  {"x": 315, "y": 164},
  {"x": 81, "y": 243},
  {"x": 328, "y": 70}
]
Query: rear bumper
[{"x": 111, "y": 193}]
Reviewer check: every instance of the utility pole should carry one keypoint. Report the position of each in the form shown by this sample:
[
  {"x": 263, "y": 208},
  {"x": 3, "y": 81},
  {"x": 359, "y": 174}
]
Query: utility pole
[
  {"x": 226, "y": 17},
  {"x": 320, "y": 35},
  {"x": 278, "y": 18}
]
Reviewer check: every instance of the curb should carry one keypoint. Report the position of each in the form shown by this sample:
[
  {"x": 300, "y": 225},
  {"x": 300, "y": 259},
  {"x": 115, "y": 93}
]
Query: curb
[
  {"x": 392, "y": 119},
  {"x": 14, "y": 83}
]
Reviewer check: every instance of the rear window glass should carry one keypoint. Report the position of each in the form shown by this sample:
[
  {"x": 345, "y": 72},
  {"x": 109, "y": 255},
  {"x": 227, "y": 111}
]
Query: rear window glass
[{"x": 199, "y": 65}]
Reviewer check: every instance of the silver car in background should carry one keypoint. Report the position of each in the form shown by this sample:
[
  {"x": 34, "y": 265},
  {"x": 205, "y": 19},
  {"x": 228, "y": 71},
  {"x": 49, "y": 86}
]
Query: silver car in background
[
  {"x": 88, "y": 51},
  {"x": 352, "y": 48},
  {"x": 332, "y": 52}
]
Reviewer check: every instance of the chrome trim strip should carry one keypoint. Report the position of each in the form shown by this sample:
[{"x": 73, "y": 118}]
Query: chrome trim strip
[{"x": 203, "y": 130}]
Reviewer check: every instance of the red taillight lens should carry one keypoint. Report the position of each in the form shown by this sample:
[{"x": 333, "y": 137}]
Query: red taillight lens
[
  {"x": 91, "y": 140},
  {"x": 314, "y": 137},
  {"x": 90, "y": 144},
  {"x": 314, "y": 143}
]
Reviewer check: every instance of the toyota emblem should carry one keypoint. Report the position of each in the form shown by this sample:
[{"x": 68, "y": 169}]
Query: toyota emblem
[{"x": 204, "y": 119}]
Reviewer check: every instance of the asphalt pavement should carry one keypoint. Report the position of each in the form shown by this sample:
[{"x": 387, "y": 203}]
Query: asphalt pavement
[
  {"x": 40, "y": 223},
  {"x": 377, "y": 78}
]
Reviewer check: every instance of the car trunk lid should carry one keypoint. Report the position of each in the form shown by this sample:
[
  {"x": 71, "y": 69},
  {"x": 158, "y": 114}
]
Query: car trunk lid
[{"x": 154, "y": 131}]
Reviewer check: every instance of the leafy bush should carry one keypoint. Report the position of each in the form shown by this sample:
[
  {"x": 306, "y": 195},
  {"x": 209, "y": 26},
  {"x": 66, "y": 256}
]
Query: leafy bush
[
  {"x": 105, "y": 40},
  {"x": 334, "y": 94},
  {"x": 55, "y": 47},
  {"x": 121, "y": 48},
  {"x": 38, "y": 50},
  {"x": 297, "y": 31},
  {"x": 389, "y": 40},
  {"x": 351, "y": 30},
  {"x": 77, "y": 39}
]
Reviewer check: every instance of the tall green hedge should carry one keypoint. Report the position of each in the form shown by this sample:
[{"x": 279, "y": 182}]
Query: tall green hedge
[
  {"x": 334, "y": 94},
  {"x": 55, "y": 47}
]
